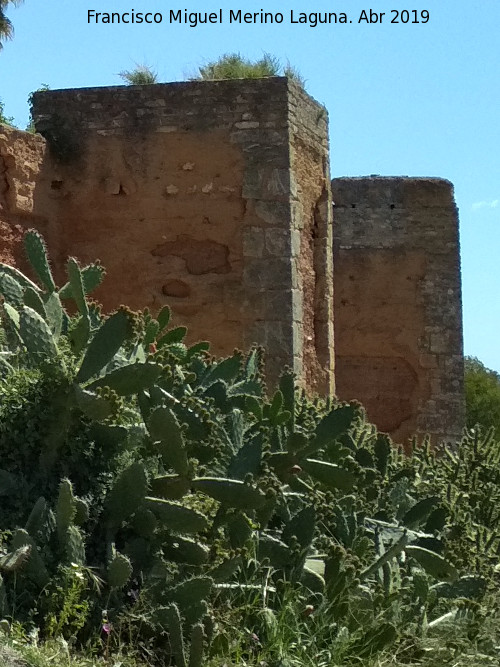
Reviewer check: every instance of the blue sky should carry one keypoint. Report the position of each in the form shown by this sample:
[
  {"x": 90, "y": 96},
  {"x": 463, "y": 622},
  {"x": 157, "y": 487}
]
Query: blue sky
[{"x": 411, "y": 99}]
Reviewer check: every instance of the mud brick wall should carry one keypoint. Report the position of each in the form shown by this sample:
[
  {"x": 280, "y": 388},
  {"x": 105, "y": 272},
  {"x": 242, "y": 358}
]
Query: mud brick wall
[
  {"x": 204, "y": 196},
  {"x": 398, "y": 315}
]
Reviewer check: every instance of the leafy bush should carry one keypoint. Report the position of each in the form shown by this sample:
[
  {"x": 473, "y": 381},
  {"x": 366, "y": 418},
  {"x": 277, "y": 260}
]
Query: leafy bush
[
  {"x": 482, "y": 395},
  {"x": 152, "y": 491},
  {"x": 5, "y": 120}
]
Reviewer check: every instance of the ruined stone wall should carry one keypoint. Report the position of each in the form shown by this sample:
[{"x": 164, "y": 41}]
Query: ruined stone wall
[
  {"x": 186, "y": 192},
  {"x": 22, "y": 158},
  {"x": 398, "y": 318},
  {"x": 214, "y": 198}
]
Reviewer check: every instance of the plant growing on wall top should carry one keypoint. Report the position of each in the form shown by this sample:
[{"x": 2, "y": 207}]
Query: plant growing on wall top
[
  {"x": 235, "y": 66},
  {"x": 30, "y": 127},
  {"x": 5, "y": 120},
  {"x": 141, "y": 75}
]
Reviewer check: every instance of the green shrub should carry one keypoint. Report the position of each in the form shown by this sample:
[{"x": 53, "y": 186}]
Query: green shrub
[
  {"x": 141, "y": 75},
  {"x": 482, "y": 395},
  {"x": 236, "y": 66}
]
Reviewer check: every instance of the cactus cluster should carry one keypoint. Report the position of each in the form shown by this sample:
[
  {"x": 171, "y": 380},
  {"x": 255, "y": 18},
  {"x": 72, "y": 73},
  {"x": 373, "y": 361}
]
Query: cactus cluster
[{"x": 181, "y": 483}]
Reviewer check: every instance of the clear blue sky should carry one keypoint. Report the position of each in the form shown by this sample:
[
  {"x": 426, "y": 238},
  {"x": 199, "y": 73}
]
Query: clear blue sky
[{"x": 414, "y": 99}]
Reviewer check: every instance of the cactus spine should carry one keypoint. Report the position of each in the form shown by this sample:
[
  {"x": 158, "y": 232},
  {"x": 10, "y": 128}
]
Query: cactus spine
[
  {"x": 37, "y": 255},
  {"x": 173, "y": 618},
  {"x": 196, "y": 651}
]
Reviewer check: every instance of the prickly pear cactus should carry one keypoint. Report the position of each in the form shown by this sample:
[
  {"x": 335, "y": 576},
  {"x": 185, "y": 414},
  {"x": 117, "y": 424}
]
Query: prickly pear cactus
[
  {"x": 193, "y": 485},
  {"x": 36, "y": 334},
  {"x": 65, "y": 510},
  {"x": 36, "y": 251},
  {"x": 119, "y": 571},
  {"x": 126, "y": 495}
]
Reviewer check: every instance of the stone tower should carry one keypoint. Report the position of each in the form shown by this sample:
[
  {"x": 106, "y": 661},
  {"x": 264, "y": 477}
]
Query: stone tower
[
  {"x": 398, "y": 314},
  {"x": 210, "y": 196}
]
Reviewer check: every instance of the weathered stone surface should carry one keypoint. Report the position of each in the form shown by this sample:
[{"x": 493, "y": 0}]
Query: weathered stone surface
[
  {"x": 177, "y": 288},
  {"x": 398, "y": 320},
  {"x": 190, "y": 194},
  {"x": 253, "y": 242},
  {"x": 268, "y": 273},
  {"x": 22, "y": 176},
  {"x": 200, "y": 256},
  {"x": 278, "y": 242},
  {"x": 310, "y": 246}
]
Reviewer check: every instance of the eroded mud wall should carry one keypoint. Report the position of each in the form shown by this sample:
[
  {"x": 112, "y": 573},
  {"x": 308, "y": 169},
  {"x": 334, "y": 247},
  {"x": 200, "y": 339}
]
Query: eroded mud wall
[{"x": 22, "y": 173}]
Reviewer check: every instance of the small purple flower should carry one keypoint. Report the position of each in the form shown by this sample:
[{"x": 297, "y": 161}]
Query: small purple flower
[{"x": 107, "y": 627}]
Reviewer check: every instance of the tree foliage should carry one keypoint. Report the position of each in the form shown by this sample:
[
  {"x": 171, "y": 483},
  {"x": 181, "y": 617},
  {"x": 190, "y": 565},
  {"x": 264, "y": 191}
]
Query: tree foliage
[
  {"x": 482, "y": 395},
  {"x": 4, "y": 120},
  {"x": 6, "y": 28}
]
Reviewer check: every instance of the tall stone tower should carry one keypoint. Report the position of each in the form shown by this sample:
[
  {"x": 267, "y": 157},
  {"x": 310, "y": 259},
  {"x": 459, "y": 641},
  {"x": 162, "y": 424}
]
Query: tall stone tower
[{"x": 210, "y": 196}]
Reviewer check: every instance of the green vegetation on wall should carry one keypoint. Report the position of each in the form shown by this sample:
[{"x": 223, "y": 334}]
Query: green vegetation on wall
[
  {"x": 227, "y": 66},
  {"x": 5, "y": 120},
  {"x": 236, "y": 66},
  {"x": 141, "y": 75}
]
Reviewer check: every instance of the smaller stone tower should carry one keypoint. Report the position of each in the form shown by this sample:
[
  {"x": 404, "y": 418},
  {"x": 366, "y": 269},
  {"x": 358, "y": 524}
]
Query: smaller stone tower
[{"x": 398, "y": 310}]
